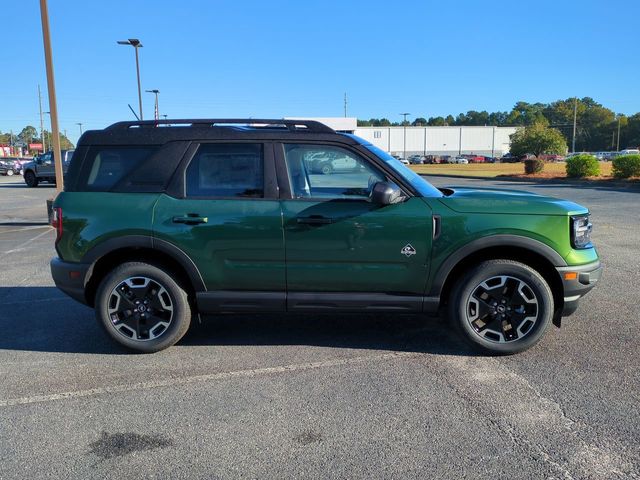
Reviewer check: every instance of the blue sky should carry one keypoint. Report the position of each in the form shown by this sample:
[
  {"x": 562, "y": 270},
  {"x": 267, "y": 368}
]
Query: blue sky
[{"x": 297, "y": 58}]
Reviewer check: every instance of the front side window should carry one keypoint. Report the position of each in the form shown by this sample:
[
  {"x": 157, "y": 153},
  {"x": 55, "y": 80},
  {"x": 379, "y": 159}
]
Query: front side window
[
  {"x": 226, "y": 170},
  {"x": 324, "y": 171}
]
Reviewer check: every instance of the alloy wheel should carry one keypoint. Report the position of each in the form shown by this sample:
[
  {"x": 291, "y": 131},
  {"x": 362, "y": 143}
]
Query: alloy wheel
[
  {"x": 140, "y": 308},
  {"x": 502, "y": 309}
]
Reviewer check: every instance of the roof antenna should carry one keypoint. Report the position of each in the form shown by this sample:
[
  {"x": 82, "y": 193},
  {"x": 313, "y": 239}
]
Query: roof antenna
[{"x": 133, "y": 111}]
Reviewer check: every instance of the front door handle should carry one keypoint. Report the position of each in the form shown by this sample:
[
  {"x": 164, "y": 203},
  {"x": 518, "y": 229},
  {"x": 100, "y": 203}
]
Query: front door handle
[
  {"x": 190, "y": 219},
  {"x": 315, "y": 220}
]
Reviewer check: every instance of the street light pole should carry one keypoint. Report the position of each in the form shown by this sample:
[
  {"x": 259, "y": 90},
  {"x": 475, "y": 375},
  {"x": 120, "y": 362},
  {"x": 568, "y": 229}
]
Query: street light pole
[
  {"x": 51, "y": 84},
  {"x": 135, "y": 43},
  {"x": 41, "y": 120},
  {"x": 404, "y": 132},
  {"x": 80, "y": 125},
  {"x": 156, "y": 113},
  {"x": 618, "y": 142}
]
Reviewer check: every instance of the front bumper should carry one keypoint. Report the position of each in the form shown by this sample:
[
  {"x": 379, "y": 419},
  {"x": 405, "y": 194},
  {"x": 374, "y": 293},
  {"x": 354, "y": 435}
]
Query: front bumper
[
  {"x": 577, "y": 282},
  {"x": 70, "y": 278}
]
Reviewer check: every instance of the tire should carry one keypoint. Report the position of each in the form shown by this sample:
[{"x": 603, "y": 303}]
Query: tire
[
  {"x": 326, "y": 169},
  {"x": 30, "y": 179},
  {"x": 142, "y": 307},
  {"x": 10, "y": 173},
  {"x": 501, "y": 307}
]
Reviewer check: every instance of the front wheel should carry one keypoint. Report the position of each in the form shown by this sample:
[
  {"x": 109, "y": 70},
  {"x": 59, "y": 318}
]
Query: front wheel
[
  {"x": 142, "y": 307},
  {"x": 502, "y": 306},
  {"x": 9, "y": 173}
]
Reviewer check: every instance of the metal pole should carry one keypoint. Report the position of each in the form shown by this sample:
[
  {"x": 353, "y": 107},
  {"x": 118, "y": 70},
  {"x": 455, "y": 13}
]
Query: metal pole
[
  {"x": 51, "y": 84},
  {"x": 41, "y": 120},
  {"x": 618, "y": 143},
  {"x": 345, "y": 105},
  {"x": 575, "y": 116},
  {"x": 80, "y": 125},
  {"x": 404, "y": 131},
  {"x": 138, "y": 73}
]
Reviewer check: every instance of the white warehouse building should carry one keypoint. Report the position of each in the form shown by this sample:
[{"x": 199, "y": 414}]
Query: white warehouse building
[{"x": 493, "y": 141}]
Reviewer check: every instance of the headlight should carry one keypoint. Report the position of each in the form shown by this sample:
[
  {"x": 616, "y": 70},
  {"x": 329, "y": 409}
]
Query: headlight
[{"x": 581, "y": 232}]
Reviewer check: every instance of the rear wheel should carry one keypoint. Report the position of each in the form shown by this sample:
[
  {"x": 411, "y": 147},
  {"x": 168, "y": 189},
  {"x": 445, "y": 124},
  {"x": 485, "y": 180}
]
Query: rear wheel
[
  {"x": 9, "y": 172},
  {"x": 142, "y": 307},
  {"x": 326, "y": 168},
  {"x": 30, "y": 179},
  {"x": 502, "y": 306}
]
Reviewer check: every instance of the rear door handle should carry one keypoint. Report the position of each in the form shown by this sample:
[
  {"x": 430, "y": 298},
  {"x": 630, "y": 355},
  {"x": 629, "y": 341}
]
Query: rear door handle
[
  {"x": 190, "y": 219},
  {"x": 314, "y": 220}
]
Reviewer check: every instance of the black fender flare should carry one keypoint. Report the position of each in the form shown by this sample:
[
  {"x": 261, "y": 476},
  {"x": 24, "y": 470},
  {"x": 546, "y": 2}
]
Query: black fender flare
[
  {"x": 501, "y": 240},
  {"x": 144, "y": 241}
]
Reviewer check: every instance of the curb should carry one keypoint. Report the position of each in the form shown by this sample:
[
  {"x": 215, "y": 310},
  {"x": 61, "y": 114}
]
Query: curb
[{"x": 590, "y": 183}]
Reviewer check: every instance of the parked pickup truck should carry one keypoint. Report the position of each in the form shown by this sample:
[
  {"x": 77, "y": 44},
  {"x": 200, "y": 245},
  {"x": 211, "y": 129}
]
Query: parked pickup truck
[{"x": 42, "y": 168}]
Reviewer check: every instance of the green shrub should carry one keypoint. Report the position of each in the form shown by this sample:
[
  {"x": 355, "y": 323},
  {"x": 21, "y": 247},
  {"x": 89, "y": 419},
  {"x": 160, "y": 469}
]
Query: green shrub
[
  {"x": 581, "y": 166},
  {"x": 533, "y": 165},
  {"x": 626, "y": 166}
]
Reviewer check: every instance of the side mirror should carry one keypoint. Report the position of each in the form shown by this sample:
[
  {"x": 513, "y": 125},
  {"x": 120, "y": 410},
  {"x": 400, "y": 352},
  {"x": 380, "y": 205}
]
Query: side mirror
[{"x": 386, "y": 193}]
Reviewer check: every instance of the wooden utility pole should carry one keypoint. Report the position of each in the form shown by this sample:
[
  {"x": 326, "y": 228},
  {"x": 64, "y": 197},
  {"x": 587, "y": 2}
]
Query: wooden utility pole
[{"x": 51, "y": 85}]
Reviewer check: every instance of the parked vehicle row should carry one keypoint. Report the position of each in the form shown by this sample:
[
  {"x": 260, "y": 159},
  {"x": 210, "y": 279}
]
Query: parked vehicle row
[{"x": 12, "y": 165}]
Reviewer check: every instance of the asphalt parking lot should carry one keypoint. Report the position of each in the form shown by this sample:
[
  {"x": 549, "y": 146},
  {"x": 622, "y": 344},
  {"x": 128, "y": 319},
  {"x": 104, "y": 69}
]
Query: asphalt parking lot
[{"x": 313, "y": 396}]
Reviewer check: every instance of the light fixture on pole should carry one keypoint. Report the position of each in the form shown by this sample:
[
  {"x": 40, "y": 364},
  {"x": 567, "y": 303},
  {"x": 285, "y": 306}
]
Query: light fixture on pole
[
  {"x": 404, "y": 131},
  {"x": 156, "y": 113},
  {"x": 80, "y": 125},
  {"x": 135, "y": 43}
]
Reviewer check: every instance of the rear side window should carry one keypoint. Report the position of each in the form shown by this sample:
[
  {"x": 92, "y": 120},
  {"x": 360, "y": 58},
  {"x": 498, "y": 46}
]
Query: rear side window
[
  {"x": 226, "y": 170},
  {"x": 106, "y": 166}
]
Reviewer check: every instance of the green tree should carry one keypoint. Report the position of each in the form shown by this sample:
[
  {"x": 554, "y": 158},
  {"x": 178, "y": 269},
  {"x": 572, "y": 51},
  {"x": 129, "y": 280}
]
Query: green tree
[
  {"x": 65, "y": 143},
  {"x": 537, "y": 139},
  {"x": 27, "y": 134},
  {"x": 419, "y": 122},
  {"x": 436, "y": 122}
]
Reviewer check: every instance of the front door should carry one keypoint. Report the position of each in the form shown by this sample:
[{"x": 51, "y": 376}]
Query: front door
[
  {"x": 228, "y": 221},
  {"x": 45, "y": 166},
  {"x": 343, "y": 251}
]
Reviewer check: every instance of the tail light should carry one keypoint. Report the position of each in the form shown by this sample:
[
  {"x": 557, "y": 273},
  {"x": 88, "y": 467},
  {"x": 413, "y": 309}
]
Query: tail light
[{"x": 56, "y": 222}]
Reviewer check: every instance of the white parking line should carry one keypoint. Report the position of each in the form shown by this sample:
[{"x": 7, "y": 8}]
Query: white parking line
[
  {"x": 23, "y": 229},
  {"x": 24, "y": 244},
  {"x": 204, "y": 378}
]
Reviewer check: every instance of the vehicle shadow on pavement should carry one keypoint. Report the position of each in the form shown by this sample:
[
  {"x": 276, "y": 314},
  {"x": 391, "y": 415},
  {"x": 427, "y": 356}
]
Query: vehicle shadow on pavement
[
  {"x": 42, "y": 319},
  {"x": 406, "y": 333}
]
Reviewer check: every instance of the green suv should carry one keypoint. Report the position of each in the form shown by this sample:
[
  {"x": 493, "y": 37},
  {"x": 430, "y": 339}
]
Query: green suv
[{"x": 163, "y": 220}]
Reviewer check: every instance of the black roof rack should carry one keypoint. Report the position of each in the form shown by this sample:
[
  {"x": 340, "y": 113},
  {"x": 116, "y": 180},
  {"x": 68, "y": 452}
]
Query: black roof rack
[{"x": 291, "y": 125}]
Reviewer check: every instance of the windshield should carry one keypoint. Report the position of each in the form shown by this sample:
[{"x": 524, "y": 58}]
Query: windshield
[{"x": 420, "y": 184}]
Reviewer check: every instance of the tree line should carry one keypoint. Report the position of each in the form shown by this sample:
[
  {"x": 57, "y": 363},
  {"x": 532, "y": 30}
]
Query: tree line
[
  {"x": 597, "y": 126},
  {"x": 29, "y": 134}
]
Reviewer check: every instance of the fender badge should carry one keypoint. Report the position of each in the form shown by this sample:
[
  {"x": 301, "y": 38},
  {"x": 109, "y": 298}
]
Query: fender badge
[{"x": 408, "y": 250}]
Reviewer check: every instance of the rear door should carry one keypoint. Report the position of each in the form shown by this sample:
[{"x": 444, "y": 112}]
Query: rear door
[
  {"x": 226, "y": 217},
  {"x": 343, "y": 252}
]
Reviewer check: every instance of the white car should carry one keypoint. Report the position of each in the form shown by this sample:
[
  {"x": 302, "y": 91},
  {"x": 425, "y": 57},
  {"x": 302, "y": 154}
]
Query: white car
[
  {"x": 460, "y": 160},
  {"x": 630, "y": 151}
]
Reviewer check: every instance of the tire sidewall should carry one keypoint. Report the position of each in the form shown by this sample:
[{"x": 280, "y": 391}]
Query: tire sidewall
[
  {"x": 181, "y": 309},
  {"x": 484, "y": 271}
]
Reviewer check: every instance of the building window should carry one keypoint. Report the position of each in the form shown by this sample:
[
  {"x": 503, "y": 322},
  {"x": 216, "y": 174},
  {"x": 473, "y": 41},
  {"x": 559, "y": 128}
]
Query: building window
[{"x": 377, "y": 134}]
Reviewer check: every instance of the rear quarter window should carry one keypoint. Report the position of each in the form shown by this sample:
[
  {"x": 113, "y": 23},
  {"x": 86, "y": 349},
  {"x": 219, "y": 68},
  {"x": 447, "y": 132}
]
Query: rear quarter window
[{"x": 104, "y": 167}]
